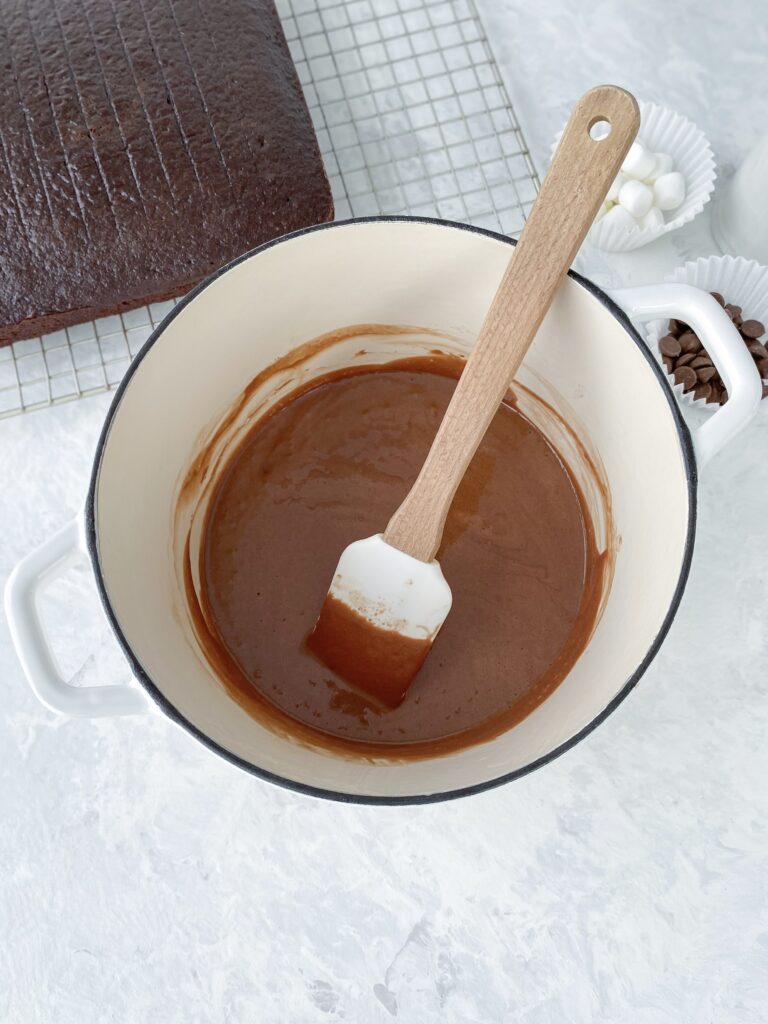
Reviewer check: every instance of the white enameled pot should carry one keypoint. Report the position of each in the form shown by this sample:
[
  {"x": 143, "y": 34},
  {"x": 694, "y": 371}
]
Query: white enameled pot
[{"x": 587, "y": 359}]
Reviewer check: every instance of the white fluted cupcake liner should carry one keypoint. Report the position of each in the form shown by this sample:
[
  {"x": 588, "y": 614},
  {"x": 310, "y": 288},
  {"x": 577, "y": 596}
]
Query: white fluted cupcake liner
[
  {"x": 741, "y": 282},
  {"x": 664, "y": 131}
]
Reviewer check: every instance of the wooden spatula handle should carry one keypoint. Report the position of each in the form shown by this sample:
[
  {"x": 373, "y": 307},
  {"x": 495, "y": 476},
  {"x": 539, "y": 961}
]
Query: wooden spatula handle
[{"x": 577, "y": 182}]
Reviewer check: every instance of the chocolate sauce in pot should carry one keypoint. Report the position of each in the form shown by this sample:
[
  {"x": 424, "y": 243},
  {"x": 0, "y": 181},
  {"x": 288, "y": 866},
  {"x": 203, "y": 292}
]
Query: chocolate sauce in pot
[{"x": 329, "y": 466}]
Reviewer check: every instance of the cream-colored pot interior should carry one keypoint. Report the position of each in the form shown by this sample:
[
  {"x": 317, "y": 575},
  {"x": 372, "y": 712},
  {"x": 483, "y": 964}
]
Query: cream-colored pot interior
[{"x": 436, "y": 276}]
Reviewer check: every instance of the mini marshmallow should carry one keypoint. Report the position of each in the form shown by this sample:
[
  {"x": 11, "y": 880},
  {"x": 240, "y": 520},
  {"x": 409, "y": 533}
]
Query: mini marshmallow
[
  {"x": 669, "y": 190},
  {"x": 613, "y": 191},
  {"x": 639, "y": 162},
  {"x": 653, "y": 219},
  {"x": 636, "y": 198},
  {"x": 664, "y": 164},
  {"x": 618, "y": 217}
]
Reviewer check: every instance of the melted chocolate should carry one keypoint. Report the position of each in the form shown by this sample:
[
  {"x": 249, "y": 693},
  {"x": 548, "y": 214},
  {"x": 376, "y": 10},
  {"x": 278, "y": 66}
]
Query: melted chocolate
[
  {"x": 382, "y": 663},
  {"x": 329, "y": 466}
]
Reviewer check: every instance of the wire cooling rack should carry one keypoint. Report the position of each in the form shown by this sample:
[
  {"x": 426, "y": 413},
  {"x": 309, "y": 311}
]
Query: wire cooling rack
[{"x": 411, "y": 116}]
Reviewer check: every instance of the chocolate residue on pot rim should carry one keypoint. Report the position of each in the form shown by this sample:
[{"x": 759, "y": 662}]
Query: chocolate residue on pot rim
[{"x": 200, "y": 483}]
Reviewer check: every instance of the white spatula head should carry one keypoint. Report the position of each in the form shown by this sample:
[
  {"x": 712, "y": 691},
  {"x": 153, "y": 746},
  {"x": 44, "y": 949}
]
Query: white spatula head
[{"x": 383, "y": 611}]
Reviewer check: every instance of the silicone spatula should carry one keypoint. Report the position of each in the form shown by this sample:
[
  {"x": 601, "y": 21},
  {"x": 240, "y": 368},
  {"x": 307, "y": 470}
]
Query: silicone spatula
[{"x": 388, "y": 597}]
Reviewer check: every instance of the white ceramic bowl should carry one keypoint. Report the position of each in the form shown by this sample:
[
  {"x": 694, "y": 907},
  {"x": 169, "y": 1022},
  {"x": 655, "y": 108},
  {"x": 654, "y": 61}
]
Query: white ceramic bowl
[{"x": 431, "y": 274}]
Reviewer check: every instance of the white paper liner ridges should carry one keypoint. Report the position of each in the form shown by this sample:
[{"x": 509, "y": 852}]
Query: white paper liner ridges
[
  {"x": 665, "y": 131},
  {"x": 741, "y": 282}
]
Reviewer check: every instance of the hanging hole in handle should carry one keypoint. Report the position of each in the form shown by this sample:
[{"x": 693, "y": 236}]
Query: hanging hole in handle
[{"x": 599, "y": 129}]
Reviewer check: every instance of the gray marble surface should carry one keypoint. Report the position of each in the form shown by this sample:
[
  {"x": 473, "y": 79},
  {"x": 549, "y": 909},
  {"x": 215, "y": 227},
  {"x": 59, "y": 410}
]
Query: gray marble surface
[
  {"x": 142, "y": 878},
  {"x": 705, "y": 60}
]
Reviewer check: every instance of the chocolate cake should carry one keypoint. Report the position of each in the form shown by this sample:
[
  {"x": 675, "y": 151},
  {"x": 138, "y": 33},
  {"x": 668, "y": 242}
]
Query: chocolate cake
[{"x": 143, "y": 143}]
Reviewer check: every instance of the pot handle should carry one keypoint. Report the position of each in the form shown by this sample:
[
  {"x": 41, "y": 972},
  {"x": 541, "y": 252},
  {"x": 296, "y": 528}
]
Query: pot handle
[
  {"x": 30, "y": 576},
  {"x": 723, "y": 343}
]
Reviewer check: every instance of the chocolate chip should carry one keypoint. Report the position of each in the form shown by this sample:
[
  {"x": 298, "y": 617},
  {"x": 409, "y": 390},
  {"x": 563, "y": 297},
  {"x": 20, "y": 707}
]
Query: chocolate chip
[
  {"x": 734, "y": 312},
  {"x": 686, "y": 376},
  {"x": 752, "y": 329},
  {"x": 669, "y": 346},
  {"x": 706, "y": 373},
  {"x": 699, "y": 361},
  {"x": 689, "y": 342},
  {"x": 689, "y": 363}
]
